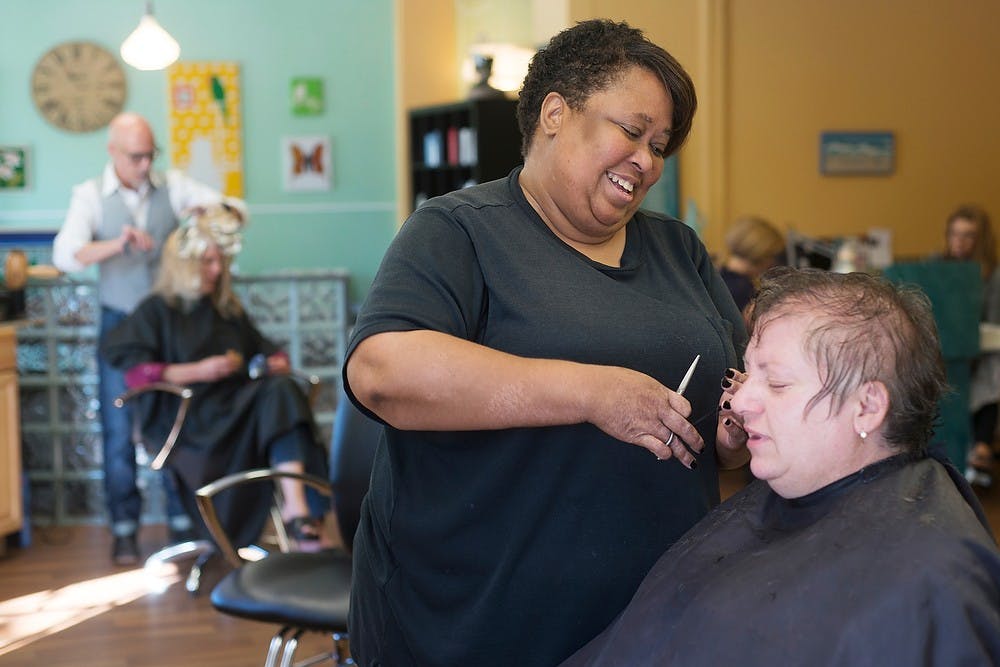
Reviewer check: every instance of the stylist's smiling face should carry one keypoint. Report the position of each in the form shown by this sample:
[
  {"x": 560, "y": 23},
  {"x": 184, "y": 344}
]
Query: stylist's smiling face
[{"x": 612, "y": 152}]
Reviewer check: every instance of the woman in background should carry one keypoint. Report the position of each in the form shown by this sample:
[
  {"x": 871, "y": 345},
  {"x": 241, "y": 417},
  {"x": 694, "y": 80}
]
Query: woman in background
[
  {"x": 753, "y": 246},
  {"x": 247, "y": 411},
  {"x": 969, "y": 237}
]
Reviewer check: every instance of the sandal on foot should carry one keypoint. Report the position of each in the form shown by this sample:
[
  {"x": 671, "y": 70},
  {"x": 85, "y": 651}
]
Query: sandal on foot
[{"x": 304, "y": 529}]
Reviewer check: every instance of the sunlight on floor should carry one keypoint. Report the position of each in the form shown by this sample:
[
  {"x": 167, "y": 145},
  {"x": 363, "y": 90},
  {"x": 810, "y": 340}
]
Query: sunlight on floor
[{"x": 32, "y": 617}]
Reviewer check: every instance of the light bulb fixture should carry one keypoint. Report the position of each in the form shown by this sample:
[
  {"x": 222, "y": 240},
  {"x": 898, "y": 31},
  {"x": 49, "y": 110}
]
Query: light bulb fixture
[
  {"x": 510, "y": 64},
  {"x": 150, "y": 47}
]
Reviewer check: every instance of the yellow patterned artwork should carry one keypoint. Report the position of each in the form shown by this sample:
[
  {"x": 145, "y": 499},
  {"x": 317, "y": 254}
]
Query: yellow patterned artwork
[{"x": 206, "y": 123}]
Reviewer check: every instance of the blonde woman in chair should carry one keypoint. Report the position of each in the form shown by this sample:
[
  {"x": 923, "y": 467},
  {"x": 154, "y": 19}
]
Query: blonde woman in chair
[{"x": 247, "y": 411}]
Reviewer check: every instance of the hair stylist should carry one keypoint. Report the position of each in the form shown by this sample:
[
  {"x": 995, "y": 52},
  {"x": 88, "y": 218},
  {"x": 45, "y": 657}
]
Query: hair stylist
[
  {"x": 521, "y": 341},
  {"x": 119, "y": 222}
]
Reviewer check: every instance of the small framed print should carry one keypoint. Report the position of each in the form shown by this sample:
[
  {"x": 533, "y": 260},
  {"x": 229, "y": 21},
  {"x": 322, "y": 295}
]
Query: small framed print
[
  {"x": 14, "y": 163},
  {"x": 857, "y": 153},
  {"x": 307, "y": 96},
  {"x": 306, "y": 163}
]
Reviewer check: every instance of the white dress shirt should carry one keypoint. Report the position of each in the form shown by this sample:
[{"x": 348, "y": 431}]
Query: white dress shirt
[{"x": 86, "y": 208}]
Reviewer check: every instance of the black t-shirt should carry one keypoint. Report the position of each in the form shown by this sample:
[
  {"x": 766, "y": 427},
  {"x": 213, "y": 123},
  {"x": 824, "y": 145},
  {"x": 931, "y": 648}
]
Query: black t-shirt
[{"x": 518, "y": 545}]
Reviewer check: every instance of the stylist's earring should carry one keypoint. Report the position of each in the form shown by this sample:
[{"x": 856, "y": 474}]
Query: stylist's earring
[{"x": 863, "y": 434}]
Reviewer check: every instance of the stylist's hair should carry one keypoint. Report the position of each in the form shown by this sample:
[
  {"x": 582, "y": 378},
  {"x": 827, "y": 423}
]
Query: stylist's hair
[
  {"x": 179, "y": 278},
  {"x": 863, "y": 329},
  {"x": 587, "y": 58},
  {"x": 985, "y": 251}
]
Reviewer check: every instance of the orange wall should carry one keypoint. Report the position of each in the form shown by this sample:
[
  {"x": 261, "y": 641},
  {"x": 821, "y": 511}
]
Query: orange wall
[
  {"x": 426, "y": 66},
  {"x": 928, "y": 70},
  {"x": 773, "y": 74}
]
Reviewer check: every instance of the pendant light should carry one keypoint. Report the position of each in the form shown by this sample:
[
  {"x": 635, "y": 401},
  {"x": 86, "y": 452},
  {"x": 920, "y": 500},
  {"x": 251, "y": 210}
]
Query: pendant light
[{"x": 150, "y": 47}]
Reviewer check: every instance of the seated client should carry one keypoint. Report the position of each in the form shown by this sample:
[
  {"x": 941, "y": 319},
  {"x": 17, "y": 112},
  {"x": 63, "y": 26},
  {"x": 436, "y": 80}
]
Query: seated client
[
  {"x": 853, "y": 547},
  {"x": 247, "y": 411}
]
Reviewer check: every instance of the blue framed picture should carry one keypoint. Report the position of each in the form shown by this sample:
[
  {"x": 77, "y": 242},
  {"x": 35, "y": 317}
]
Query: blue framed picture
[{"x": 856, "y": 153}]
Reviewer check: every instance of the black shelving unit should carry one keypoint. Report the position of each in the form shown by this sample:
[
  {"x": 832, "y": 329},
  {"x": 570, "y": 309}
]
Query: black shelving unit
[{"x": 456, "y": 145}]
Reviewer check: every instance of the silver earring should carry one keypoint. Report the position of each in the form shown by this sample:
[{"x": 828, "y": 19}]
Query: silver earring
[{"x": 863, "y": 434}]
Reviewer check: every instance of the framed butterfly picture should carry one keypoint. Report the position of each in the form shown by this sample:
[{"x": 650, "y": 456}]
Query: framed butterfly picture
[{"x": 306, "y": 163}]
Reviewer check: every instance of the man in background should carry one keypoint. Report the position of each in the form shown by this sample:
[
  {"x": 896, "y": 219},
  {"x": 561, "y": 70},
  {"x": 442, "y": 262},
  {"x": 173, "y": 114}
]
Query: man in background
[{"x": 119, "y": 221}]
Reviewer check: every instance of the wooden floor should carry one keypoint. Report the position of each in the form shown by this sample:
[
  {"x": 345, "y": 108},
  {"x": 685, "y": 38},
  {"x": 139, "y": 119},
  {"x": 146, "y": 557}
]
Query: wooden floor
[{"x": 62, "y": 603}]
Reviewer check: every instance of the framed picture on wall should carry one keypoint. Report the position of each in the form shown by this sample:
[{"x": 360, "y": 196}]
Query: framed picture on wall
[
  {"x": 307, "y": 96},
  {"x": 857, "y": 153},
  {"x": 206, "y": 123},
  {"x": 306, "y": 163},
  {"x": 14, "y": 168}
]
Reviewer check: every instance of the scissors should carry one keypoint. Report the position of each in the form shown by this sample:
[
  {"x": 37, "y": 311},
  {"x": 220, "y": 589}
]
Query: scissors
[{"x": 681, "y": 388}]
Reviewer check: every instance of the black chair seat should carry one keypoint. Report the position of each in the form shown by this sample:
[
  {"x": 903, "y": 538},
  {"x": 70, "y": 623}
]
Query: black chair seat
[
  {"x": 295, "y": 590},
  {"x": 307, "y": 590}
]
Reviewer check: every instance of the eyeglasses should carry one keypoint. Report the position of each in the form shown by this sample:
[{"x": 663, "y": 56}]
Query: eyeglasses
[{"x": 137, "y": 158}]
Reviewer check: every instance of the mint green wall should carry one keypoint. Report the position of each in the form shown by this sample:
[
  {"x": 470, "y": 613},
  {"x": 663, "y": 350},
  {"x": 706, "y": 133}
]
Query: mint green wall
[{"x": 347, "y": 44}]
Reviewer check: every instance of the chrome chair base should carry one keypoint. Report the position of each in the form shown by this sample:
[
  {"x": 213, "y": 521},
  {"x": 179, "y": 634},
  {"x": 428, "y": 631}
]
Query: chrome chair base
[
  {"x": 201, "y": 550},
  {"x": 285, "y": 642}
]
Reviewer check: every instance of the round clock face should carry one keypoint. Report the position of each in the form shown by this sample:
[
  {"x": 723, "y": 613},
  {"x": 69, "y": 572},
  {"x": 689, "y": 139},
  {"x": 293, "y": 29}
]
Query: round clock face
[{"x": 78, "y": 86}]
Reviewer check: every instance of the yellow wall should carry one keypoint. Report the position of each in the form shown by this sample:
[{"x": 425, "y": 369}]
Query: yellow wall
[
  {"x": 928, "y": 70},
  {"x": 773, "y": 74},
  {"x": 427, "y": 64}
]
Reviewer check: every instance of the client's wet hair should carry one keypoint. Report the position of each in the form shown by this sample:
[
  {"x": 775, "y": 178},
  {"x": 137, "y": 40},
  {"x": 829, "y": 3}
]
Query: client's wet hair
[{"x": 863, "y": 329}]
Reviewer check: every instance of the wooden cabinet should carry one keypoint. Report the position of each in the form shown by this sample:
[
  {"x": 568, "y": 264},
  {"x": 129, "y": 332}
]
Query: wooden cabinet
[
  {"x": 11, "y": 513},
  {"x": 456, "y": 145}
]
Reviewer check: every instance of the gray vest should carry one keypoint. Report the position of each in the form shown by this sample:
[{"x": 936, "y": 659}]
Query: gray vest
[{"x": 124, "y": 280}]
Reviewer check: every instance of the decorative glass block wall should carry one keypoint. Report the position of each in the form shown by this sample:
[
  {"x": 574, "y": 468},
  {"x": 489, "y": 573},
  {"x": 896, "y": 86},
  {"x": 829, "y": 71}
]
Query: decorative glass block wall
[{"x": 304, "y": 312}]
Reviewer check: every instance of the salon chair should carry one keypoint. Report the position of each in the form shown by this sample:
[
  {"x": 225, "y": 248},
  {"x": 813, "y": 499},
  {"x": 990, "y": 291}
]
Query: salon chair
[
  {"x": 201, "y": 550},
  {"x": 301, "y": 592}
]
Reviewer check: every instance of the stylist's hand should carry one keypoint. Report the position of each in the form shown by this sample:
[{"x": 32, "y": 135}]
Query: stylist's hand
[
  {"x": 635, "y": 408},
  {"x": 730, "y": 438},
  {"x": 220, "y": 366},
  {"x": 135, "y": 237}
]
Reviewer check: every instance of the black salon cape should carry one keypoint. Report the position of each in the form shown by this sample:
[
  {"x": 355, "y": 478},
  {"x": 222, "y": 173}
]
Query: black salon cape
[
  {"x": 890, "y": 566},
  {"x": 229, "y": 423}
]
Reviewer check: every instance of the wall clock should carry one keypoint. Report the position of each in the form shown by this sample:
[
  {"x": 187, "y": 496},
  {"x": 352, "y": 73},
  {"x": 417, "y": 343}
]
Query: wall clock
[{"x": 78, "y": 86}]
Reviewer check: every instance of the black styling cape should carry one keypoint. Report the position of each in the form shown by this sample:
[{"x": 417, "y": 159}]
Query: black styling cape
[
  {"x": 889, "y": 566},
  {"x": 230, "y": 423}
]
